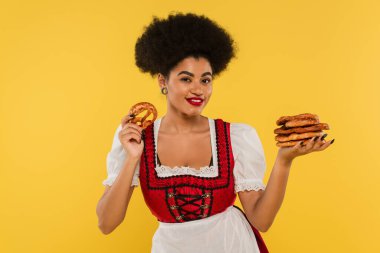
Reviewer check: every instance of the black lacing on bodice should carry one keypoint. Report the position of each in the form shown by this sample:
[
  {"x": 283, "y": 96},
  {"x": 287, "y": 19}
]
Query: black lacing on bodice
[{"x": 194, "y": 200}]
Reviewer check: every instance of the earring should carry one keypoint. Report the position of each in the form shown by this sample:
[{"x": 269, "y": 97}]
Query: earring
[{"x": 164, "y": 90}]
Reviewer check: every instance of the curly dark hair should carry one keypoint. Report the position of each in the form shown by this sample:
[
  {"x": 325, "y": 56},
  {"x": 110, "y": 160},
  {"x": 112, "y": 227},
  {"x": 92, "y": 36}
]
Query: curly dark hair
[{"x": 165, "y": 42}]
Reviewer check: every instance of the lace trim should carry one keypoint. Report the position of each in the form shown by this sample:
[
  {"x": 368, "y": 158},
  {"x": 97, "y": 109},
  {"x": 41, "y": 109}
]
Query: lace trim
[
  {"x": 109, "y": 180},
  {"x": 249, "y": 186},
  {"x": 206, "y": 171}
]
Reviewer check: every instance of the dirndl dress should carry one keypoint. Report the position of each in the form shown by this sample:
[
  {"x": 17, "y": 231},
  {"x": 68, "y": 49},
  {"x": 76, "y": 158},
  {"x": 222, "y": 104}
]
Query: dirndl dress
[{"x": 195, "y": 207}]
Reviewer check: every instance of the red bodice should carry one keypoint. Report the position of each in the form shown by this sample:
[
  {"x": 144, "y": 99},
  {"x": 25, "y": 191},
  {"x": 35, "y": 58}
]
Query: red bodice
[{"x": 181, "y": 198}]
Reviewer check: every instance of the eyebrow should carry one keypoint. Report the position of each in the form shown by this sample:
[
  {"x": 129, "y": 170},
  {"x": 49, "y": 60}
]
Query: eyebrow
[{"x": 191, "y": 74}]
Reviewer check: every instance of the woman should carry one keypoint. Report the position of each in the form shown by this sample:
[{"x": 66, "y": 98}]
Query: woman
[{"x": 191, "y": 167}]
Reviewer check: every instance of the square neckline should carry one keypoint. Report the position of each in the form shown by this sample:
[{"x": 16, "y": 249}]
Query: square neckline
[{"x": 211, "y": 123}]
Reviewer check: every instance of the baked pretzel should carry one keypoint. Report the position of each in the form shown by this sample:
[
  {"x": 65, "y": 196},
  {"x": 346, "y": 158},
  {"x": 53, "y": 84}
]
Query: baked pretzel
[
  {"x": 296, "y": 136},
  {"x": 313, "y": 128},
  {"x": 289, "y": 143},
  {"x": 282, "y": 120},
  {"x": 301, "y": 122},
  {"x": 139, "y": 108}
]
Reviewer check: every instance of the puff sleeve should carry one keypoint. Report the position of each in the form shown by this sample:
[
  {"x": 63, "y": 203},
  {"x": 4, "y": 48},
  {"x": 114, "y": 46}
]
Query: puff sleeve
[
  {"x": 249, "y": 158},
  {"x": 115, "y": 160}
]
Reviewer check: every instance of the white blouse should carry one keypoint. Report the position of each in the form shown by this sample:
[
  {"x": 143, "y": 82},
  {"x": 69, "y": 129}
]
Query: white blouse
[
  {"x": 249, "y": 169},
  {"x": 224, "y": 232}
]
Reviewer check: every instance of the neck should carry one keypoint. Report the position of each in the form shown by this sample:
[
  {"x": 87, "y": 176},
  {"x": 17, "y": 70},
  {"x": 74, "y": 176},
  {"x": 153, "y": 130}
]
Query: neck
[{"x": 182, "y": 124}]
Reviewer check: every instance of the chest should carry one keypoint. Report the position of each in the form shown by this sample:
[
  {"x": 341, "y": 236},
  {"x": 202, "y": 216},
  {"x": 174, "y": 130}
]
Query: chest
[
  {"x": 180, "y": 198},
  {"x": 193, "y": 150}
]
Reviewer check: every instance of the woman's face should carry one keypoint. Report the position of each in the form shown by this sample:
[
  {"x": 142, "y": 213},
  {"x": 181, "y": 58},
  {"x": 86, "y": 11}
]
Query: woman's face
[{"x": 189, "y": 86}]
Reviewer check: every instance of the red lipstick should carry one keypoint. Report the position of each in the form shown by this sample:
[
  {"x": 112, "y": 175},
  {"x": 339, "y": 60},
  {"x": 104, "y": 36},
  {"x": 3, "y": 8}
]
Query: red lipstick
[{"x": 195, "y": 101}]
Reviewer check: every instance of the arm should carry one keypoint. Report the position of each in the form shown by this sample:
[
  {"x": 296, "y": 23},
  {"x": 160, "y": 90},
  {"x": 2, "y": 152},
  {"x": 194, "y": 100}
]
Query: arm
[
  {"x": 261, "y": 207},
  {"x": 113, "y": 205}
]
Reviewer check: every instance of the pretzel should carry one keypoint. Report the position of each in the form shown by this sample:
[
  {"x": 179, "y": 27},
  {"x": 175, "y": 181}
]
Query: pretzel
[
  {"x": 313, "y": 128},
  {"x": 301, "y": 122},
  {"x": 282, "y": 120},
  {"x": 296, "y": 136},
  {"x": 139, "y": 108},
  {"x": 289, "y": 143}
]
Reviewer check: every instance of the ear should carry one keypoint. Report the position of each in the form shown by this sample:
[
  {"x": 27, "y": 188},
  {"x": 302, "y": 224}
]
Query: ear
[{"x": 161, "y": 80}]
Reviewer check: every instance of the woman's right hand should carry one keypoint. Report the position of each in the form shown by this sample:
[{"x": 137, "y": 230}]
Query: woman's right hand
[{"x": 130, "y": 138}]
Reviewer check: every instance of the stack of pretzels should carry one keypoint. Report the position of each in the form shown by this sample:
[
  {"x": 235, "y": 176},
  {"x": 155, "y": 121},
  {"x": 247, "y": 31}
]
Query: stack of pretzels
[{"x": 298, "y": 128}]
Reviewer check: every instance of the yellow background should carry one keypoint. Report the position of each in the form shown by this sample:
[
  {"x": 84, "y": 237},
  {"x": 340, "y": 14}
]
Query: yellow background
[{"x": 67, "y": 76}]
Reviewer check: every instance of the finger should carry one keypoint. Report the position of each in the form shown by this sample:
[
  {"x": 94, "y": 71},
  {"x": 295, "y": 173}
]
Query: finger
[
  {"x": 325, "y": 145},
  {"x": 130, "y": 123},
  {"x": 122, "y": 135},
  {"x": 321, "y": 138},
  {"x": 133, "y": 126},
  {"x": 133, "y": 130},
  {"x": 315, "y": 142},
  {"x": 128, "y": 130},
  {"x": 133, "y": 136},
  {"x": 125, "y": 119},
  {"x": 318, "y": 142},
  {"x": 299, "y": 145},
  {"x": 136, "y": 120},
  {"x": 310, "y": 143}
]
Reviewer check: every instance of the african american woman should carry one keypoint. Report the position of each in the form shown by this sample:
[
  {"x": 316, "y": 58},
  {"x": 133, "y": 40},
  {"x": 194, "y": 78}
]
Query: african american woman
[{"x": 191, "y": 167}]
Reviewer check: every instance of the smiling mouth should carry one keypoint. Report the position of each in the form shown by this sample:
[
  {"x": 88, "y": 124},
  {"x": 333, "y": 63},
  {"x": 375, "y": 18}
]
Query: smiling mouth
[{"x": 195, "y": 101}]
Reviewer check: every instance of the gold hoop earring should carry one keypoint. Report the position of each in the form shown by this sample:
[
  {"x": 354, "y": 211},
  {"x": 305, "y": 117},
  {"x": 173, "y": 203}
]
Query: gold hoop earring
[{"x": 164, "y": 90}]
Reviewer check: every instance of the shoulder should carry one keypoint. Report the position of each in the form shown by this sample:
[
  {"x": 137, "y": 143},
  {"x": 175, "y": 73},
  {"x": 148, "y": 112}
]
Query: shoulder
[
  {"x": 244, "y": 137},
  {"x": 242, "y": 131},
  {"x": 238, "y": 126},
  {"x": 239, "y": 130},
  {"x": 235, "y": 126}
]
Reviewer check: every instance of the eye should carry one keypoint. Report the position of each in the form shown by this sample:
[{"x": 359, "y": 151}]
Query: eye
[
  {"x": 185, "y": 78},
  {"x": 206, "y": 81}
]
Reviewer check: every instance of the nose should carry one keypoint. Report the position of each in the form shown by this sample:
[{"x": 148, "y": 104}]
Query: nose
[{"x": 197, "y": 88}]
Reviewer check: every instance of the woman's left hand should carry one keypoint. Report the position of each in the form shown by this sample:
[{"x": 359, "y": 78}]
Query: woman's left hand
[{"x": 303, "y": 148}]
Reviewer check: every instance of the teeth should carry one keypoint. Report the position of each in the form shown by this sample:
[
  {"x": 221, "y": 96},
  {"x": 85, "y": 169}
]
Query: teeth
[{"x": 196, "y": 100}]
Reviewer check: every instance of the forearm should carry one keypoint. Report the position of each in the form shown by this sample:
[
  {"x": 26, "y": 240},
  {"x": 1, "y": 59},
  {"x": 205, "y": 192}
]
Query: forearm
[
  {"x": 270, "y": 202},
  {"x": 112, "y": 207}
]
